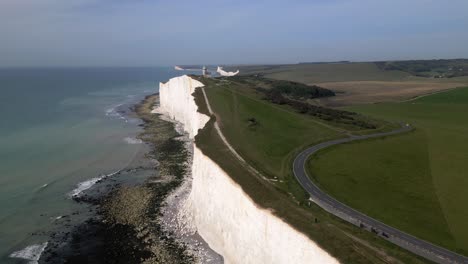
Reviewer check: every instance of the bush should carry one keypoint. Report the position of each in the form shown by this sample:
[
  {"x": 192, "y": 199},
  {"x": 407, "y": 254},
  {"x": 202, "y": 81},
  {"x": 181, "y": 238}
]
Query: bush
[{"x": 327, "y": 114}]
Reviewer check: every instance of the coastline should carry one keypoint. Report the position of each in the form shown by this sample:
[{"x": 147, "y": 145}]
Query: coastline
[
  {"x": 129, "y": 211},
  {"x": 225, "y": 214},
  {"x": 176, "y": 215}
]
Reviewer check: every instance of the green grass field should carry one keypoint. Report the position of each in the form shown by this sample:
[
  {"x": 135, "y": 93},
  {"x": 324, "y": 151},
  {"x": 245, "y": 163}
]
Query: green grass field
[
  {"x": 334, "y": 72},
  {"x": 417, "y": 182},
  {"x": 270, "y": 144},
  {"x": 337, "y": 72}
]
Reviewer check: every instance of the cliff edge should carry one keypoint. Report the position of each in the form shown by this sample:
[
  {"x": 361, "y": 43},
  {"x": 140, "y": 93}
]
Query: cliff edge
[{"x": 223, "y": 214}]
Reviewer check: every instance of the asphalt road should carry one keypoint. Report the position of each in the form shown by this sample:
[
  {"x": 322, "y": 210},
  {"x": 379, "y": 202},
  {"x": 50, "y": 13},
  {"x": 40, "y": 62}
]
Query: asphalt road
[{"x": 409, "y": 242}]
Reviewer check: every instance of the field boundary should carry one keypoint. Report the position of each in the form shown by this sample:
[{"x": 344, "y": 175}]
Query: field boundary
[
  {"x": 429, "y": 94},
  {"x": 418, "y": 246}
]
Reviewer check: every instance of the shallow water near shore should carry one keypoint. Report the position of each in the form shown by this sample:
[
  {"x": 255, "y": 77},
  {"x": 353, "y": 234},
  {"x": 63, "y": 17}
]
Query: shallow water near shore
[{"x": 63, "y": 130}]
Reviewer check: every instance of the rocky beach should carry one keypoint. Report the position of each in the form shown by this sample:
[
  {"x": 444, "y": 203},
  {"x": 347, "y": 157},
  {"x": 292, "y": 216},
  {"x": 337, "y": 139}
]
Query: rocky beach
[{"x": 136, "y": 215}]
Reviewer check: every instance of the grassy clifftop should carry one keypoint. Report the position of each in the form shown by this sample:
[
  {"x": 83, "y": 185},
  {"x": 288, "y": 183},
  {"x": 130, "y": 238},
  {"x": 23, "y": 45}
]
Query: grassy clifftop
[
  {"x": 268, "y": 136},
  {"x": 420, "y": 177}
]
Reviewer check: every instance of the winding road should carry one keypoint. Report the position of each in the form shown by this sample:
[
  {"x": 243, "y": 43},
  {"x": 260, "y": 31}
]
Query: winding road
[
  {"x": 409, "y": 242},
  {"x": 333, "y": 206}
]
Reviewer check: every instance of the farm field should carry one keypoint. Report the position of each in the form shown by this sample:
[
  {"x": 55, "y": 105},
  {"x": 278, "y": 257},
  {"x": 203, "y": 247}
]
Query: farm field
[
  {"x": 357, "y": 83},
  {"x": 327, "y": 72},
  {"x": 364, "y": 92},
  {"x": 416, "y": 182},
  {"x": 268, "y": 137}
]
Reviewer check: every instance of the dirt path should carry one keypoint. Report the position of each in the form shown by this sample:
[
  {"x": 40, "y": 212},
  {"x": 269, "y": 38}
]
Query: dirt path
[{"x": 226, "y": 142}]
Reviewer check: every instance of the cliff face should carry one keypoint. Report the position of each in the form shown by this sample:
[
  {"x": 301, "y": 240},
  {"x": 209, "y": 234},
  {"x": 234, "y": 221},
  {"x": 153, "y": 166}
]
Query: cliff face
[
  {"x": 176, "y": 100},
  {"x": 226, "y": 217}
]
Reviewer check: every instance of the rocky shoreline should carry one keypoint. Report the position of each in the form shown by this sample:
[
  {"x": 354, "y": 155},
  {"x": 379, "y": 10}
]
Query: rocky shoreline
[
  {"x": 125, "y": 221},
  {"x": 177, "y": 218}
]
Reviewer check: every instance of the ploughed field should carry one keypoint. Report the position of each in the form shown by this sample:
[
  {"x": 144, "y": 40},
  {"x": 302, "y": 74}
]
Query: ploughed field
[
  {"x": 416, "y": 182},
  {"x": 268, "y": 133},
  {"x": 366, "y": 82}
]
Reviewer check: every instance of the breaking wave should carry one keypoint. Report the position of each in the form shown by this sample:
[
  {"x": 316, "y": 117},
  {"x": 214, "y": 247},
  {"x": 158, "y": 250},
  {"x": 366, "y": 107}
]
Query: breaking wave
[
  {"x": 31, "y": 253},
  {"x": 132, "y": 141},
  {"x": 113, "y": 112},
  {"x": 83, "y": 186}
]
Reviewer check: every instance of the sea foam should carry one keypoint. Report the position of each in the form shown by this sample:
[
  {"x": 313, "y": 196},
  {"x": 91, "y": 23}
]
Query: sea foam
[
  {"x": 83, "y": 186},
  {"x": 31, "y": 253},
  {"x": 132, "y": 141},
  {"x": 113, "y": 112}
]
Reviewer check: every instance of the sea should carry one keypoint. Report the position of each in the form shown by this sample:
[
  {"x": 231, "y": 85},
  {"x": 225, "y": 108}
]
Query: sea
[{"x": 61, "y": 131}]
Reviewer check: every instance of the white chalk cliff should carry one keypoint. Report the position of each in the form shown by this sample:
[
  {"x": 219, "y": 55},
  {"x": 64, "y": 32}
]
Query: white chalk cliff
[
  {"x": 225, "y": 73},
  {"x": 224, "y": 215}
]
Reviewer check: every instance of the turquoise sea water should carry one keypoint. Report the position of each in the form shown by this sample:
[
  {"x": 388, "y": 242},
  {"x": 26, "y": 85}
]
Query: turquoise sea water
[{"x": 60, "y": 128}]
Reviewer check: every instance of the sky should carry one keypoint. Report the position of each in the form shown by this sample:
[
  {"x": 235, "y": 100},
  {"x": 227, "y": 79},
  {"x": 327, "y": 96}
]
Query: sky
[{"x": 157, "y": 33}]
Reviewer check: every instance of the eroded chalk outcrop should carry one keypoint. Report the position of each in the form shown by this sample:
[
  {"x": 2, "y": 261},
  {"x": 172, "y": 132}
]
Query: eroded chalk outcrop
[{"x": 217, "y": 207}]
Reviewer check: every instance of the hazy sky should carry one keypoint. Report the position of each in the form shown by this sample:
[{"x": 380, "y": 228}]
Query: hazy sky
[{"x": 144, "y": 32}]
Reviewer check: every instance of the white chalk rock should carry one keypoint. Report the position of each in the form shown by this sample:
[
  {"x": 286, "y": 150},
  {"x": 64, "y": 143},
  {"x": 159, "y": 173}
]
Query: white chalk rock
[
  {"x": 176, "y": 101},
  {"x": 225, "y": 73},
  {"x": 223, "y": 214}
]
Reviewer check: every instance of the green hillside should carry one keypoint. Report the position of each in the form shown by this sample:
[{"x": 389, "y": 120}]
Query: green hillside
[
  {"x": 416, "y": 182},
  {"x": 428, "y": 68},
  {"x": 268, "y": 136},
  {"x": 327, "y": 72}
]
